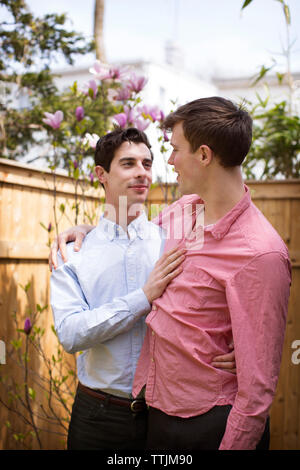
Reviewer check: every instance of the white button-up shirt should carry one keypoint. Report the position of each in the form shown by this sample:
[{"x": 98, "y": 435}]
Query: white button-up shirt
[{"x": 98, "y": 303}]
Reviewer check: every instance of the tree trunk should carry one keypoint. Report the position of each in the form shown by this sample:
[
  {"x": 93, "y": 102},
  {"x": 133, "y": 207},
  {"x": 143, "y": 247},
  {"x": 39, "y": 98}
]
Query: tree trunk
[{"x": 98, "y": 30}]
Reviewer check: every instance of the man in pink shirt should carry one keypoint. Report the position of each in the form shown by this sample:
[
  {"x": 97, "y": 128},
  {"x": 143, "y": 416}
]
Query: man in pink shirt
[{"x": 234, "y": 284}]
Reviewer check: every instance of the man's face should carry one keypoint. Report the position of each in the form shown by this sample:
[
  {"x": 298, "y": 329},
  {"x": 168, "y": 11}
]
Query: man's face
[
  {"x": 130, "y": 175},
  {"x": 184, "y": 161}
]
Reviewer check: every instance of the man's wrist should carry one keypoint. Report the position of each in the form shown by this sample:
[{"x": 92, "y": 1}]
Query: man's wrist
[{"x": 148, "y": 294}]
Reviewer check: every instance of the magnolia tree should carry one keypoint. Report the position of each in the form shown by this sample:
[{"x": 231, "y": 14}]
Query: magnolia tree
[{"x": 111, "y": 98}]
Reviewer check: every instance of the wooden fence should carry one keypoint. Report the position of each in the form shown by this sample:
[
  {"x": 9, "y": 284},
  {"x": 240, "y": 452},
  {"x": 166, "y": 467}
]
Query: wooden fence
[{"x": 26, "y": 209}]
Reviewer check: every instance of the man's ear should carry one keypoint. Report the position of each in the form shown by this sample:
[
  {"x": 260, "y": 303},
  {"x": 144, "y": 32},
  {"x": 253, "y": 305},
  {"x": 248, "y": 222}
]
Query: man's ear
[
  {"x": 101, "y": 174},
  {"x": 204, "y": 155}
]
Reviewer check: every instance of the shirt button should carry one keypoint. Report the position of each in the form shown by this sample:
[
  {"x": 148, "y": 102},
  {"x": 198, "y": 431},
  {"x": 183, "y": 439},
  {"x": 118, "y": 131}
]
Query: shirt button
[
  {"x": 154, "y": 307},
  {"x": 152, "y": 359},
  {"x": 153, "y": 333}
]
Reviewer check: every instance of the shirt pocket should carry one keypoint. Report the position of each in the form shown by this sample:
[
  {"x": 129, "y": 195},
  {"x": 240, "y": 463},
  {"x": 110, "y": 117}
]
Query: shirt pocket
[
  {"x": 204, "y": 299},
  {"x": 200, "y": 288}
]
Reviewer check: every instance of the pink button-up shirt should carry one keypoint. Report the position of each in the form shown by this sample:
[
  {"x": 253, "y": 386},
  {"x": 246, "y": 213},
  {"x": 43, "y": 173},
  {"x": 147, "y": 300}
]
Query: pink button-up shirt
[{"x": 234, "y": 285}]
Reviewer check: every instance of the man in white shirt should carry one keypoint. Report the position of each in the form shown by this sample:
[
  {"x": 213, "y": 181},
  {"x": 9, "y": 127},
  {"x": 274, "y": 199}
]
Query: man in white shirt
[{"x": 98, "y": 302}]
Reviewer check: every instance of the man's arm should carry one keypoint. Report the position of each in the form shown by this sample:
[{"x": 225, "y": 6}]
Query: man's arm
[
  {"x": 258, "y": 300},
  {"x": 73, "y": 234},
  {"x": 79, "y": 327}
]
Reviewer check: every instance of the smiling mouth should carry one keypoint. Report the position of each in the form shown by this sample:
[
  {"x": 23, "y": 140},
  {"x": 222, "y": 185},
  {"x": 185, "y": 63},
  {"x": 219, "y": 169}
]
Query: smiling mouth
[{"x": 138, "y": 186}]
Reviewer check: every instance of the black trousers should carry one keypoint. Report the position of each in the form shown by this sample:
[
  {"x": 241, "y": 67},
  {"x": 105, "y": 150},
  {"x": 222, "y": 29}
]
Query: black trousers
[
  {"x": 97, "y": 425},
  {"x": 202, "y": 432}
]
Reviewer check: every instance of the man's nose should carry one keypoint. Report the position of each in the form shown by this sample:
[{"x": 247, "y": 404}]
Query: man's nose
[
  {"x": 171, "y": 159},
  {"x": 140, "y": 171}
]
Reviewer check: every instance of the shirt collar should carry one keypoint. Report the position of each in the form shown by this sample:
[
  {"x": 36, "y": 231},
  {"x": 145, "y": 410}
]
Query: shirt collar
[
  {"x": 113, "y": 231},
  {"x": 223, "y": 225}
]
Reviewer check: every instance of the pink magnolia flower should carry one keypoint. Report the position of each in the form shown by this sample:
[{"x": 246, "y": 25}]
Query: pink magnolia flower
[
  {"x": 104, "y": 72},
  {"x": 100, "y": 70},
  {"x": 27, "y": 326},
  {"x": 129, "y": 112},
  {"x": 151, "y": 112},
  {"x": 53, "y": 120},
  {"x": 141, "y": 124},
  {"x": 91, "y": 140},
  {"x": 121, "y": 119},
  {"x": 118, "y": 73},
  {"x": 111, "y": 94},
  {"x": 79, "y": 113},
  {"x": 136, "y": 83},
  {"x": 123, "y": 94},
  {"x": 90, "y": 85},
  {"x": 115, "y": 73},
  {"x": 125, "y": 118},
  {"x": 166, "y": 138}
]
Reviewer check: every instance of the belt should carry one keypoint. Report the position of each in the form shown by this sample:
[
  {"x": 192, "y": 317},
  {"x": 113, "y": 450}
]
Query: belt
[{"x": 135, "y": 406}]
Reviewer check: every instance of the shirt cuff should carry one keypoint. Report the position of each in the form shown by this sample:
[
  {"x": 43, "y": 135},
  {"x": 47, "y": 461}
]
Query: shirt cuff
[
  {"x": 138, "y": 303},
  {"x": 242, "y": 432}
]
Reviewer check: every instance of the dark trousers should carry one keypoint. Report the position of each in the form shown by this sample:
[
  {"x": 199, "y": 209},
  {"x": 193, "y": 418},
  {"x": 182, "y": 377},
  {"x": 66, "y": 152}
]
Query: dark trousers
[
  {"x": 98, "y": 425},
  {"x": 202, "y": 432}
]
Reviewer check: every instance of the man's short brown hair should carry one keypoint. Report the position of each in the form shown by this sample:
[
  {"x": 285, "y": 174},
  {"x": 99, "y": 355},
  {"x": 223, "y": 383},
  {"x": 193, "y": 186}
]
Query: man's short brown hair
[
  {"x": 217, "y": 123},
  {"x": 108, "y": 144}
]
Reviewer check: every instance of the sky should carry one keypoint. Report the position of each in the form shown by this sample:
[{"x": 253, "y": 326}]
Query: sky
[{"x": 216, "y": 38}]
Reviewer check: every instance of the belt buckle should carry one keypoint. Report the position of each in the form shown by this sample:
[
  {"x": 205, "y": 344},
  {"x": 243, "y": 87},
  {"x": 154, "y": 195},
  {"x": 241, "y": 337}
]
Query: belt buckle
[{"x": 132, "y": 405}]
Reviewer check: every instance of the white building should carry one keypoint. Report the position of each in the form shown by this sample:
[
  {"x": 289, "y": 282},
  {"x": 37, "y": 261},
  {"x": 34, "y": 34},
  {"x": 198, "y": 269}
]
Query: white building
[{"x": 237, "y": 89}]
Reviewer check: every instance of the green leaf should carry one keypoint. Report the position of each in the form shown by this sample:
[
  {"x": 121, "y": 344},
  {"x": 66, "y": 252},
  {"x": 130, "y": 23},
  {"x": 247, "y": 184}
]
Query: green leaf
[
  {"x": 262, "y": 102},
  {"x": 53, "y": 330},
  {"x": 246, "y": 3},
  {"x": 76, "y": 173},
  {"x": 280, "y": 77},
  {"x": 44, "y": 226},
  {"x": 74, "y": 87},
  {"x": 27, "y": 287},
  {"x": 16, "y": 343},
  {"x": 262, "y": 73},
  {"x": 287, "y": 14},
  {"x": 31, "y": 393}
]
